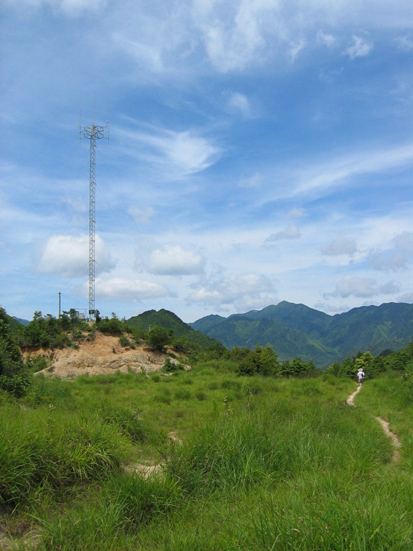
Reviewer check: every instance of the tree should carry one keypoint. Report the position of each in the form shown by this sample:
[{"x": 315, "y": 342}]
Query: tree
[
  {"x": 14, "y": 377},
  {"x": 260, "y": 360},
  {"x": 159, "y": 337}
]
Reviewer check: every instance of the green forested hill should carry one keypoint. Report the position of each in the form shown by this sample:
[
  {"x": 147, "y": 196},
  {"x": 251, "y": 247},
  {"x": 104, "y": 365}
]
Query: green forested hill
[
  {"x": 297, "y": 330},
  {"x": 169, "y": 320}
]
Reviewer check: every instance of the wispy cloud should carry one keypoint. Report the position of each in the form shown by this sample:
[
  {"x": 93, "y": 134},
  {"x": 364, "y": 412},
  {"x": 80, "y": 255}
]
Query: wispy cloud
[
  {"x": 68, "y": 7},
  {"x": 342, "y": 168},
  {"x": 340, "y": 245},
  {"x": 327, "y": 39},
  {"x": 239, "y": 104},
  {"x": 176, "y": 153},
  {"x": 291, "y": 232},
  {"x": 360, "y": 47}
]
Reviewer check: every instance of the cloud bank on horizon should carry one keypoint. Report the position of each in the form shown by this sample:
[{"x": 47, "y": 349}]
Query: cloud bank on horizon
[{"x": 260, "y": 150}]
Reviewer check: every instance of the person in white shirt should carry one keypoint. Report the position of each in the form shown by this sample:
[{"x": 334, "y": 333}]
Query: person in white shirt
[{"x": 360, "y": 376}]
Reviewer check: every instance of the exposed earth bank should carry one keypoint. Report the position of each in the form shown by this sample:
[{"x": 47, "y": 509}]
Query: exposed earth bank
[{"x": 102, "y": 355}]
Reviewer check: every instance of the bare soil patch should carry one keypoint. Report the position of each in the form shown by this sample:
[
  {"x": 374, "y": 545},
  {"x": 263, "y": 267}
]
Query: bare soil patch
[{"x": 100, "y": 356}]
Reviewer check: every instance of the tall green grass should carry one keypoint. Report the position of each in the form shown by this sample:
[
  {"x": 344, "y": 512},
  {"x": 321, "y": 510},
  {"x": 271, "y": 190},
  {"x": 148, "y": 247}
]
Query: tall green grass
[
  {"x": 44, "y": 449},
  {"x": 282, "y": 465}
]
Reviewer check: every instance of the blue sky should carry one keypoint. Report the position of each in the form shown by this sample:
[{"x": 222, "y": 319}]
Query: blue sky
[{"x": 259, "y": 151}]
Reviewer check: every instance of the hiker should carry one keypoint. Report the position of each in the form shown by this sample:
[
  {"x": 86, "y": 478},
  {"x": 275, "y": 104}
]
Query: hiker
[{"x": 360, "y": 376}]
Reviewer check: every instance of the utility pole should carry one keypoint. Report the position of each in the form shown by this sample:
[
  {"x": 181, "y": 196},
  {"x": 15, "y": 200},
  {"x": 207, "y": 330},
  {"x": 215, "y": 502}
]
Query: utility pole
[{"x": 92, "y": 133}]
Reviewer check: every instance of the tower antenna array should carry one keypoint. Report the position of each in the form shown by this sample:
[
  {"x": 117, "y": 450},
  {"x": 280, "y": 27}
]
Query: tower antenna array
[{"x": 92, "y": 133}]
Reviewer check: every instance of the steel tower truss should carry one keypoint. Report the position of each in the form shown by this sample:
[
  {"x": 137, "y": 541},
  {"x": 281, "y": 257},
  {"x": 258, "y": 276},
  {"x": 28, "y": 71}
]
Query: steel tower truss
[{"x": 92, "y": 133}]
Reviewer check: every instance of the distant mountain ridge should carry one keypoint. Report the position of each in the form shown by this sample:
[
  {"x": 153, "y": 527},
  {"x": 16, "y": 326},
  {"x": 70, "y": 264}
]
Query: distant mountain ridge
[{"x": 297, "y": 330}]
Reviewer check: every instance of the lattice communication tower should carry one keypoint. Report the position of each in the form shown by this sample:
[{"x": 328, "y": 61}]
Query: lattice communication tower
[{"x": 92, "y": 133}]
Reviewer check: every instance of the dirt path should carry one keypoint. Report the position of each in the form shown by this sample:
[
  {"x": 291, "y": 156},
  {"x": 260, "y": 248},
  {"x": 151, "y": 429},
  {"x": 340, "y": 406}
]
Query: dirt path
[
  {"x": 383, "y": 423},
  {"x": 350, "y": 399},
  {"x": 390, "y": 434}
]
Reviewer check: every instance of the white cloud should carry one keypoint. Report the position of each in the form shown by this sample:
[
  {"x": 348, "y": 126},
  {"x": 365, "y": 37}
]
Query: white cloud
[
  {"x": 387, "y": 260},
  {"x": 404, "y": 241},
  {"x": 234, "y": 34},
  {"x": 239, "y": 292},
  {"x": 394, "y": 259},
  {"x": 239, "y": 103},
  {"x": 68, "y": 256},
  {"x": 361, "y": 287},
  {"x": 340, "y": 169},
  {"x": 297, "y": 213},
  {"x": 174, "y": 260},
  {"x": 178, "y": 154},
  {"x": 291, "y": 232},
  {"x": 295, "y": 48},
  {"x": 360, "y": 48},
  {"x": 128, "y": 289},
  {"x": 327, "y": 39},
  {"x": 405, "y": 43},
  {"x": 340, "y": 245}
]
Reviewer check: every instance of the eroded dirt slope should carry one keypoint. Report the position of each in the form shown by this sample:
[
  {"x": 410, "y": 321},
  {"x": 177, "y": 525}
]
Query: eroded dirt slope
[{"x": 102, "y": 355}]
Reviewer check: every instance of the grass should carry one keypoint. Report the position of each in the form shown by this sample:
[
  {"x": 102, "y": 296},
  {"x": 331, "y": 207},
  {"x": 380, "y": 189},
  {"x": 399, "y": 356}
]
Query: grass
[{"x": 264, "y": 464}]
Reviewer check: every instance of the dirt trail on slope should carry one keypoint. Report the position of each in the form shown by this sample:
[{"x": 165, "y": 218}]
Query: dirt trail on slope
[{"x": 383, "y": 423}]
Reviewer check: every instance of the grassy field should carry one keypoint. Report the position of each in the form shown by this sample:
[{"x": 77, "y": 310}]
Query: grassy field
[{"x": 246, "y": 463}]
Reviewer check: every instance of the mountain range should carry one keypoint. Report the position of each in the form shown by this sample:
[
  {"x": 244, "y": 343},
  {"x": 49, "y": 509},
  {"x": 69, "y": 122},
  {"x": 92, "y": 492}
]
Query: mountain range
[{"x": 297, "y": 330}]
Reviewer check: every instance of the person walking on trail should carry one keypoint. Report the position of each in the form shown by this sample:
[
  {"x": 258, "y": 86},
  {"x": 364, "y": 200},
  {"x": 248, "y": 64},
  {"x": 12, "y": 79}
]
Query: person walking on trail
[{"x": 360, "y": 375}]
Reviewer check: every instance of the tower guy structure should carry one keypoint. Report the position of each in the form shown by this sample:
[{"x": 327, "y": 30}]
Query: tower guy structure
[{"x": 92, "y": 133}]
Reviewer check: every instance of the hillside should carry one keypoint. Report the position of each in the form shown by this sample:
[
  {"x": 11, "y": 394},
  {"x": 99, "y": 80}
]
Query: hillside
[
  {"x": 297, "y": 330},
  {"x": 169, "y": 320},
  {"x": 101, "y": 356}
]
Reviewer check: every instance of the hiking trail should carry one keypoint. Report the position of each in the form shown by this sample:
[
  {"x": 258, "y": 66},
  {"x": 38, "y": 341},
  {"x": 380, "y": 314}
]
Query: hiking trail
[{"x": 383, "y": 423}]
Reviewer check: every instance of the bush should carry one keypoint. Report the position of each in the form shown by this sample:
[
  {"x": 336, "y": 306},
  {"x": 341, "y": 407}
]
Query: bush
[
  {"x": 159, "y": 337},
  {"x": 262, "y": 361},
  {"x": 38, "y": 363},
  {"x": 170, "y": 367},
  {"x": 124, "y": 341}
]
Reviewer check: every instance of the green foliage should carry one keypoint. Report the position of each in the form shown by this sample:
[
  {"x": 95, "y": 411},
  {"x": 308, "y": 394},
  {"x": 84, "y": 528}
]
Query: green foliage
[
  {"x": 49, "y": 332},
  {"x": 14, "y": 376},
  {"x": 373, "y": 366},
  {"x": 170, "y": 367},
  {"x": 124, "y": 341},
  {"x": 185, "y": 338},
  {"x": 159, "y": 337},
  {"x": 261, "y": 361},
  {"x": 112, "y": 326}
]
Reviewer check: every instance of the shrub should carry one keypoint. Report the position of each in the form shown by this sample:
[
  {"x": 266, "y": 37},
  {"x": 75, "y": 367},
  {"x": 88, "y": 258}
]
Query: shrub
[
  {"x": 169, "y": 366},
  {"x": 124, "y": 341},
  {"x": 159, "y": 337}
]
